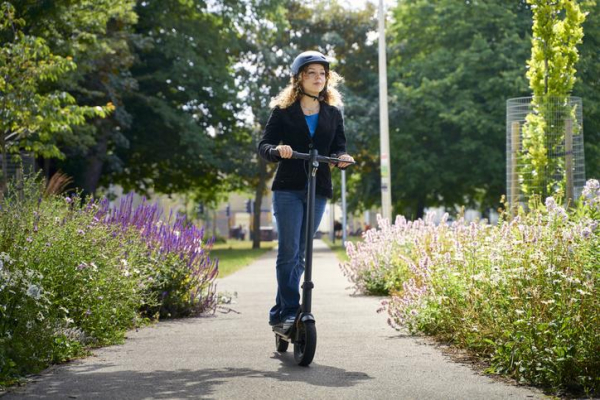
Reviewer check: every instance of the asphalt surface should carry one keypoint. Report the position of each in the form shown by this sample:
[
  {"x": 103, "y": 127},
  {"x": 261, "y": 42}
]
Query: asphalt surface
[{"x": 232, "y": 355}]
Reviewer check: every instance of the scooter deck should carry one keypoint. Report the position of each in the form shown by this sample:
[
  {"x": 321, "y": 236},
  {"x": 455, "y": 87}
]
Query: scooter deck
[{"x": 285, "y": 334}]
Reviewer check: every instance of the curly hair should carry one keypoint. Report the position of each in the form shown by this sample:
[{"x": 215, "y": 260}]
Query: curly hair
[{"x": 293, "y": 91}]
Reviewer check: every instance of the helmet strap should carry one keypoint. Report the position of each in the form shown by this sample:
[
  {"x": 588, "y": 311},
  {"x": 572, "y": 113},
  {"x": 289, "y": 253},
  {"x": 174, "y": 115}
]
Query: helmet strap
[{"x": 315, "y": 98}]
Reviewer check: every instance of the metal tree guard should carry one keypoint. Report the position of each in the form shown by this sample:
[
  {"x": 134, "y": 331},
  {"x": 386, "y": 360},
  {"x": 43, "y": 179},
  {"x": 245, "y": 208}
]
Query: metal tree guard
[{"x": 561, "y": 147}]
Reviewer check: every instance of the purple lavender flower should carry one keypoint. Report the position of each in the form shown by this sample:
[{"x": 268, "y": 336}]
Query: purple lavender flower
[
  {"x": 591, "y": 194},
  {"x": 591, "y": 189},
  {"x": 167, "y": 235},
  {"x": 550, "y": 204},
  {"x": 586, "y": 232}
]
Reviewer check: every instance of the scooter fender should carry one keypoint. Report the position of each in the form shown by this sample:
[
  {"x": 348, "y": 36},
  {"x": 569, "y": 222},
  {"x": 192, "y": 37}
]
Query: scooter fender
[{"x": 307, "y": 317}]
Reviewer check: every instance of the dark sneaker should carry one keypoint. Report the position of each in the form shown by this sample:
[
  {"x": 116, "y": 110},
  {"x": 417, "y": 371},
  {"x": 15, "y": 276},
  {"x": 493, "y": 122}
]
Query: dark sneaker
[
  {"x": 275, "y": 323},
  {"x": 288, "y": 323}
]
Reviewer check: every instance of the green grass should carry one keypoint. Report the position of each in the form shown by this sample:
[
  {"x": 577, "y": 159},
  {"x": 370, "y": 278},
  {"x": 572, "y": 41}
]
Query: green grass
[
  {"x": 338, "y": 249},
  {"x": 235, "y": 255}
]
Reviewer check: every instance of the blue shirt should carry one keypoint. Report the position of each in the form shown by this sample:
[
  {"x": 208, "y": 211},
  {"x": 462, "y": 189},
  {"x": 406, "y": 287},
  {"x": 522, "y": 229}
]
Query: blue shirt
[{"x": 311, "y": 121}]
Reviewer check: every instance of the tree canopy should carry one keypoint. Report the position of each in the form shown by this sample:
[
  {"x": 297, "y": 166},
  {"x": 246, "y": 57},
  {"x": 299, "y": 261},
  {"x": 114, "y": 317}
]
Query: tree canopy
[
  {"x": 34, "y": 117},
  {"x": 453, "y": 65},
  {"x": 190, "y": 84}
]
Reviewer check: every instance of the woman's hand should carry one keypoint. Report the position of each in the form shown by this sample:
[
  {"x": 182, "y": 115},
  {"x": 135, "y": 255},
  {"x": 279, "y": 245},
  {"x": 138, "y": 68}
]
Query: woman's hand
[
  {"x": 284, "y": 151},
  {"x": 346, "y": 157}
]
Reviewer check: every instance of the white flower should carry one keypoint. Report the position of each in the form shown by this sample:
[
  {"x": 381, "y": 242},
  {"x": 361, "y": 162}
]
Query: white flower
[
  {"x": 124, "y": 262},
  {"x": 34, "y": 292},
  {"x": 479, "y": 277}
]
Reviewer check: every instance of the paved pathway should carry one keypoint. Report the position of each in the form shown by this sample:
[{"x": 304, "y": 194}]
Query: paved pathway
[{"x": 232, "y": 356}]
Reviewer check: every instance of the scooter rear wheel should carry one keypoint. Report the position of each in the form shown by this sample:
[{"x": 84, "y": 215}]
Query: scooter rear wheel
[
  {"x": 305, "y": 346},
  {"x": 280, "y": 344}
]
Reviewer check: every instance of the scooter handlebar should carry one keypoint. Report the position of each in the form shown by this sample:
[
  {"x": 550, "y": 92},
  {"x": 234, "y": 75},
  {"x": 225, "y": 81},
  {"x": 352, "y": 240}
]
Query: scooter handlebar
[{"x": 322, "y": 159}]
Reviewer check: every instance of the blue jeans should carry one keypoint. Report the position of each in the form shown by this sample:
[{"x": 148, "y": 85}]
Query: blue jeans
[{"x": 290, "y": 212}]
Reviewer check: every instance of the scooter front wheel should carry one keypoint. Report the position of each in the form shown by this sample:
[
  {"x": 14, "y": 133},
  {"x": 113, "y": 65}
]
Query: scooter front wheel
[{"x": 305, "y": 346}]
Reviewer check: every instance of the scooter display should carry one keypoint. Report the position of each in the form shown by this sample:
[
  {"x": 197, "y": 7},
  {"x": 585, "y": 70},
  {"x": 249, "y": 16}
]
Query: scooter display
[{"x": 303, "y": 333}]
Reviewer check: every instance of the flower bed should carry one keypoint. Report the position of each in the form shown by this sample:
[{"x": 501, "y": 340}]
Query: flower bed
[
  {"x": 523, "y": 294},
  {"x": 77, "y": 274}
]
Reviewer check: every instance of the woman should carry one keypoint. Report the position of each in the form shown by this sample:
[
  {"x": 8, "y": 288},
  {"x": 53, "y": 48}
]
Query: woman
[{"x": 304, "y": 116}]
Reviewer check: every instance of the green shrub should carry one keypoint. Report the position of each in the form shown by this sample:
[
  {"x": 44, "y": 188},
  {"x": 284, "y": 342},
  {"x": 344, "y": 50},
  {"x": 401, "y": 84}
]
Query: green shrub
[
  {"x": 63, "y": 282},
  {"x": 75, "y": 274}
]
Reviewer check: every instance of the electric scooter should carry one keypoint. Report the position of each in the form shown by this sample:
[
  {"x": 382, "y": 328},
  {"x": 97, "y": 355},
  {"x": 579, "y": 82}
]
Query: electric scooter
[{"x": 303, "y": 333}]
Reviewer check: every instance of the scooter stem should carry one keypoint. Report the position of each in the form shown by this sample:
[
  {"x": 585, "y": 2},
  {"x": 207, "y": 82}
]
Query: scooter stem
[{"x": 308, "y": 285}]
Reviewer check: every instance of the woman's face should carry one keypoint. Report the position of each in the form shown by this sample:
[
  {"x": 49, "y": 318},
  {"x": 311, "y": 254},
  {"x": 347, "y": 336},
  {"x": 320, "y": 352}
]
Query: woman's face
[{"x": 314, "y": 79}]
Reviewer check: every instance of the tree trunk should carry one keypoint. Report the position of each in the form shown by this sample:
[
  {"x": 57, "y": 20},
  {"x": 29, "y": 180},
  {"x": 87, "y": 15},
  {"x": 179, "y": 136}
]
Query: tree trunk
[
  {"x": 96, "y": 158},
  {"x": 260, "y": 189},
  {"x": 3, "y": 178},
  {"x": 420, "y": 208},
  {"x": 46, "y": 169}
]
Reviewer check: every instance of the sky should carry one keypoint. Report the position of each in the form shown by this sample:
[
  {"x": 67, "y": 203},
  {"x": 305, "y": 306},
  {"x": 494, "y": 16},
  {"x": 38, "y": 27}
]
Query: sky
[{"x": 360, "y": 3}]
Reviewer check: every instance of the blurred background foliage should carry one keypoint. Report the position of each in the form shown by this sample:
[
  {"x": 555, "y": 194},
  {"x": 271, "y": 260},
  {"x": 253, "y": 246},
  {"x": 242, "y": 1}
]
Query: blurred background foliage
[{"x": 184, "y": 88}]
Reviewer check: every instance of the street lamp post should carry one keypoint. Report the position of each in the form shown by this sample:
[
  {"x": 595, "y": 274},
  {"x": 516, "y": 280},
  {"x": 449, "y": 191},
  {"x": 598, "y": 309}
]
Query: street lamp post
[
  {"x": 344, "y": 220},
  {"x": 386, "y": 182}
]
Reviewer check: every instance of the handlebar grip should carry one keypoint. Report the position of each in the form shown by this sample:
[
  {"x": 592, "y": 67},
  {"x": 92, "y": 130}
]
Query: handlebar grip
[
  {"x": 298, "y": 155},
  {"x": 295, "y": 154}
]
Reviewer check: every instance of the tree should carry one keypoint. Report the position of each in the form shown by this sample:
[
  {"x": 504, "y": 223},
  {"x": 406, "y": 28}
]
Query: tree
[
  {"x": 556, "y": 33},
  {"x": 31, "y": 117},
  {"x": 97, "y": 35},
  {"x": 452, "y": 65},
  {"x": 166, "y": 66},
  {"x": 185, "y": 103},
  {"x": 587, "y": 86}
]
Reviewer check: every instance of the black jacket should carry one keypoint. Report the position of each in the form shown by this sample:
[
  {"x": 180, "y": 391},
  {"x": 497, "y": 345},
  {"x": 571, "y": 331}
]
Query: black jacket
[{"x": 288, "y": 126}]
